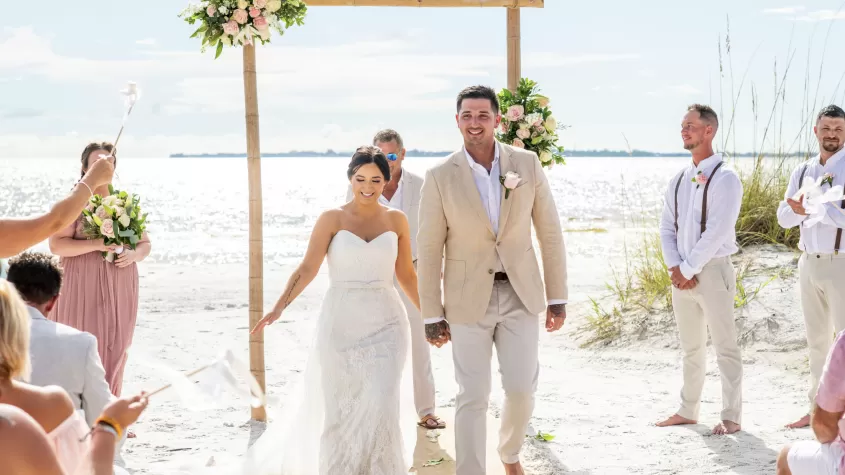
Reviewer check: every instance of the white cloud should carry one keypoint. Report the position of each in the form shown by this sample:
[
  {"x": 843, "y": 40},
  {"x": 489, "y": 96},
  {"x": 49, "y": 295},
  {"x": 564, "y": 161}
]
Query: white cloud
[
  {"x": 554, "y": 60},
  {"x": 147, "y": 42},
  {"x": 783, "y": 10},
  {"x": 822, "y": 15},
  {"x": 680, "y": 89}
]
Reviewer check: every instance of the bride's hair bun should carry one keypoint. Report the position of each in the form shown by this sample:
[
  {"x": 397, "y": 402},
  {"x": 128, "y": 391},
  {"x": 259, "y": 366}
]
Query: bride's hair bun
[{"x": 368, "y": 154}]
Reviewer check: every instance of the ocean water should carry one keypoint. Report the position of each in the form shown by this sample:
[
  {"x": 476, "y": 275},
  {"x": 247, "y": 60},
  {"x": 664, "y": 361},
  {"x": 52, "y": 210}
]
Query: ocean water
[{"x": 198, "y": 213}]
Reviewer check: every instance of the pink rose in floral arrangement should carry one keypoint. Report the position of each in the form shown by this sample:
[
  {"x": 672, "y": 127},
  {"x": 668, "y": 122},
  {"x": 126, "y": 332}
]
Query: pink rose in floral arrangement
[
  {"x": 523, "y": 133},
  {"x": 107, "y": 228},
  {"x": 260, "y": 3},
  {"x": 231, "y": 28},
  {"x": 515, "y": 113},
  {"x": 260, "y": 23},
  {"x": 254, "y": 12},
  {"x": 240, "y": 16},
  {"x": 211, "y": 10},
  {"x": 518, "y": 143}
]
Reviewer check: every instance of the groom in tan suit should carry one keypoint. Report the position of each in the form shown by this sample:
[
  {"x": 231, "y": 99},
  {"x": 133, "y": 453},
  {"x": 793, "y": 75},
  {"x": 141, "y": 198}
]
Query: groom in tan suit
[{"x": 492, "y": 284}]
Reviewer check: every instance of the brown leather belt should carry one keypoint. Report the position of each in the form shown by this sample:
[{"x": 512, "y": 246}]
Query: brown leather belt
[{"x": 500, "y": 276}]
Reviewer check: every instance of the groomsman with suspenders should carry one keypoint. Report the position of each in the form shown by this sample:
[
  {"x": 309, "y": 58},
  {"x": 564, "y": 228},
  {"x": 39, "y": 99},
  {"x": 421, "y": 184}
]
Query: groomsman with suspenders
[
  {"x": 698, "y": 236},
  {"x": 821, "y": 268}
]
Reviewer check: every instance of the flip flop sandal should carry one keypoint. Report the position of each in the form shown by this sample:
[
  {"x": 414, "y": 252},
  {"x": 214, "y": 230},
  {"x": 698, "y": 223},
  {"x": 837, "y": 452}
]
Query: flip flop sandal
[{"x": 431, "y": 422}]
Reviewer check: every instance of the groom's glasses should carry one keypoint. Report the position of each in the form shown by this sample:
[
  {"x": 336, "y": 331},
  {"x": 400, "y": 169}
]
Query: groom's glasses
[{"x": 392, "y": 157}]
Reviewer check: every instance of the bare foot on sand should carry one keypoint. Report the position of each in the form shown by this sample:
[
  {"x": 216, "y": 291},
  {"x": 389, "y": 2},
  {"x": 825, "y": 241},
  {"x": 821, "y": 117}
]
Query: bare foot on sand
[
  {"x": 675, "y": 420},
  {"x": 726, "y": 427},
  {"x": 800, "y": 423},
  {"x": 514, "y": 469}
]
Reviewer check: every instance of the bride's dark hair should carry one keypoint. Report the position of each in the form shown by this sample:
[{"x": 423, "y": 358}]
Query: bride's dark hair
[{"x": 368, "y": 154}]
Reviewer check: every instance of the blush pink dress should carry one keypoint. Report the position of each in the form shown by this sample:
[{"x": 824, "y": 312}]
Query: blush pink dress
[
  {"x": 70, "y": 443},
  {"x": 102, "y": 299}
]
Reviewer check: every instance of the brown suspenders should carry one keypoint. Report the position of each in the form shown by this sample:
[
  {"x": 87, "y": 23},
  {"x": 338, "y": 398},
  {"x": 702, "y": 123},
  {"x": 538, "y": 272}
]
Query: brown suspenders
[
  {"x": 841, "y": 205},
  {"x": 703, "y": 199}
]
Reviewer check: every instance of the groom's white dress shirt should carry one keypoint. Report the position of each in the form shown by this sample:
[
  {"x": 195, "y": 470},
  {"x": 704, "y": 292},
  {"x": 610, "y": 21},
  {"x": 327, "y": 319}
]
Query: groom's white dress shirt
[{"x": 688, "y": 248}]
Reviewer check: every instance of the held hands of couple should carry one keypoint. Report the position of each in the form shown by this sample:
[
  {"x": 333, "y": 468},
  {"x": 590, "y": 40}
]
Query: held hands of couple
[
  {"x": 438, "y": 334},
  {"x": 681, "y": 282}
]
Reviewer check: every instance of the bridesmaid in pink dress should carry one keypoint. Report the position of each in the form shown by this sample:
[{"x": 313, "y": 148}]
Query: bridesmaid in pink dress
[{"x": 99, "y": 297}]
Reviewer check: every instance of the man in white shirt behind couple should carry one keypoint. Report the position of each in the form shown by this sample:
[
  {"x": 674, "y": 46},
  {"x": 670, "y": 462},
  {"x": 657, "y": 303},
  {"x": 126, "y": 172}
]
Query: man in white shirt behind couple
[{"x": 698, "y": 236}]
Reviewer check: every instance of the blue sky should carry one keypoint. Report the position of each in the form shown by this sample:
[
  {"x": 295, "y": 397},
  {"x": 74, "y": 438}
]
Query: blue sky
[{"x": 614, "y": 69}]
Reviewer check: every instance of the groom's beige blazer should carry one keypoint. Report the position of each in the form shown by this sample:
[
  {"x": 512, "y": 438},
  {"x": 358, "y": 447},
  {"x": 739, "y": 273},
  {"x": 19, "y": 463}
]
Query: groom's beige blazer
[{"x": 452, "y": 214}]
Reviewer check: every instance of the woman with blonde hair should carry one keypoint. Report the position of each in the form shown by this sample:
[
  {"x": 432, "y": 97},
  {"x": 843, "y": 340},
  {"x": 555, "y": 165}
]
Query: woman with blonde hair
[{"x": 50, "y": 407}]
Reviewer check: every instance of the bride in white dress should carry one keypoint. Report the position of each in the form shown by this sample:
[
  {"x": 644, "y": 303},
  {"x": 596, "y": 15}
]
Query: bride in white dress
[{"x": 348, "y": 421}]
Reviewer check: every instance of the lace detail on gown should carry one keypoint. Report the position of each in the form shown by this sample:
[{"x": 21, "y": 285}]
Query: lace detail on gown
[{"x": 348, "y": 419}]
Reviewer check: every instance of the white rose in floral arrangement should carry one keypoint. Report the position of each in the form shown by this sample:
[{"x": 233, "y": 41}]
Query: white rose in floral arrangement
[
  {"x": 124, "y": 220},
  {"x": 524, "y": 125},
  {"x": 518, "y": 143},
  {"x": 542, "y": 101},
  {"x": 545, "y": 156},
  {"x": 523, "y": 133},
  {"x": 101, "y": 212},
  {"x": 274, "y": 5},
  {"x": 119, "y": 211},
  {"x": 534, "y": 119},
  {"x": 243, "y": 4}
]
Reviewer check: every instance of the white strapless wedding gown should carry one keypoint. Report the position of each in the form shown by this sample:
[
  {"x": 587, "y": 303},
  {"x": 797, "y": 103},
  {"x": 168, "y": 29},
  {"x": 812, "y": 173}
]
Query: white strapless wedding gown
[{"x": 348, "y": 420}]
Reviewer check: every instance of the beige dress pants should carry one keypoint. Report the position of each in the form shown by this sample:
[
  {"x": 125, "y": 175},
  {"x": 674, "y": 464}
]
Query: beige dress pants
[
  {"x": 420, "y": 357},
  {"x": 822, "y": 282},
  {"x": 710, "y": 305},
  {"x": 515, "y": 331}
]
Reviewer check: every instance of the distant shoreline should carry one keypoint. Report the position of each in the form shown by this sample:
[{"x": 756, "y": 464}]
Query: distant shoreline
[{"x": 426, "y": 153}]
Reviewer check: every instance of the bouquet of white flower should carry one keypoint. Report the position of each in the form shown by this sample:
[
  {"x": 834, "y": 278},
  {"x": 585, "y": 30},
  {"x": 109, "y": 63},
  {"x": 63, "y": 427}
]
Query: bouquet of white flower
[{"x": 117, "y": 219}]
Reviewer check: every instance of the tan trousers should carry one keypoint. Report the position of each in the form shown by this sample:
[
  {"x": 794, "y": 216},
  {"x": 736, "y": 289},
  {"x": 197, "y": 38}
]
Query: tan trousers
[
  {"x": 515, "y": 332},
  {"x": 822, "y": 282},
  {"x": 420, "y": 358},
  {"x": 710, "y": 305}
]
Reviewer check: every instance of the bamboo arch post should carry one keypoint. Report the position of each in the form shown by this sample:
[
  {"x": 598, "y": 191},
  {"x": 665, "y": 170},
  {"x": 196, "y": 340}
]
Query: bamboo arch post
[{"x": 256, "y": 224}]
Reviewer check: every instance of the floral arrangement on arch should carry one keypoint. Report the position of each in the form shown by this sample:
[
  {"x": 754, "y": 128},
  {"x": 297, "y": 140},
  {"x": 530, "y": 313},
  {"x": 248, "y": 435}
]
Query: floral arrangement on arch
[
  {"x": 528, "y": 123},
  {"x": 239, "y": 22}
]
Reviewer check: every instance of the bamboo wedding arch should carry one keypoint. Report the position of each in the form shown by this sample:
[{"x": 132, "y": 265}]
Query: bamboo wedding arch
[{"x": 256, "y": 237}]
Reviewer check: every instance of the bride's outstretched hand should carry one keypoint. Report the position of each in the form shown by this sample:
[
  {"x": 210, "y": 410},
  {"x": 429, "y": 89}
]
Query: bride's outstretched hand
[{"x": 267, "y": 320}]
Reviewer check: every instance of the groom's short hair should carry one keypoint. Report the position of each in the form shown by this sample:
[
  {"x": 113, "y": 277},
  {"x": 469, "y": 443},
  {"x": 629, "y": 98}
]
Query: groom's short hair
[
  {"x": 387, "y": 136},
  {"x": 36, "y": 275},
  {"x": 479, "y": 92}
]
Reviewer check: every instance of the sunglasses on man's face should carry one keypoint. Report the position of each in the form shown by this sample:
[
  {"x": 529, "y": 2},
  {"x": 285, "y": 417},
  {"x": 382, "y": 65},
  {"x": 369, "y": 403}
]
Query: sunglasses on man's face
[{"x": 392, "y": 157}]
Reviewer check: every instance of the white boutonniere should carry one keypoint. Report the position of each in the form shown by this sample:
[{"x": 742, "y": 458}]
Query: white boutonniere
[
  {"x": 827, "y": 179},
  {"x": 509, "y": 181}
]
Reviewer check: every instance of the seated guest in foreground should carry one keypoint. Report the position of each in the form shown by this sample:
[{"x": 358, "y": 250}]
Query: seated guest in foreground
[
  {"x": 26, "y": 449},
  {"x": 826, "y": 454},
  {"x": 59, "y": 355}
]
